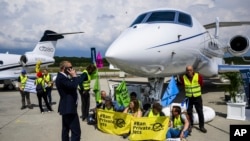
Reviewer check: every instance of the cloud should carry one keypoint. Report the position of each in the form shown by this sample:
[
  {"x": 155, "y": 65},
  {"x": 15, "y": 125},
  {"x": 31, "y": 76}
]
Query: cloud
[{"x": 24, "y": 21}]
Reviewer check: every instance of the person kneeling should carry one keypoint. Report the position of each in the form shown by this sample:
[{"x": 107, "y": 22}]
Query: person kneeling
[{"x": 180, "y": 124}]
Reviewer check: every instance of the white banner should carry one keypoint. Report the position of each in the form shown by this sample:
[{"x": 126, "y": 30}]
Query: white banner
[{"x": 30, "y": 86}]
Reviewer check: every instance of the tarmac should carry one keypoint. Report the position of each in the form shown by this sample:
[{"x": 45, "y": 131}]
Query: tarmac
[{"x": 31, "y": 125}]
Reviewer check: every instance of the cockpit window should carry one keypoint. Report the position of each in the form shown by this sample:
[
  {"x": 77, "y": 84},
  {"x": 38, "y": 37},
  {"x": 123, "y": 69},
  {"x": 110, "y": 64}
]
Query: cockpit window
[
  {"x": 161, "y": 16},
  {"x": 139, "y": 19},
  {"x": 168, "y": 16},
  {"x": 184, "y": 19},
  {"x": 1, "y": 62}
]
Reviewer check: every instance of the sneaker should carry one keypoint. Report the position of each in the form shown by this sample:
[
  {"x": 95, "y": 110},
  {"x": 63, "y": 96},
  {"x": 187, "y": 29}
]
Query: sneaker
[
  {"x": 23, "y": 107},
  {"x": 203, "y": 130}
]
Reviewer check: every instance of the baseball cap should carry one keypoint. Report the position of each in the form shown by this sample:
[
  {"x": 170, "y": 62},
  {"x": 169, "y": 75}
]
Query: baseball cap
[{"x": 23, "y": 71}]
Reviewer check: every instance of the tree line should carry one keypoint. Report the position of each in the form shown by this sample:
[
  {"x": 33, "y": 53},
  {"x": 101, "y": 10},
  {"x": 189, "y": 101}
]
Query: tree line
[{"x": 76, "y": 61}]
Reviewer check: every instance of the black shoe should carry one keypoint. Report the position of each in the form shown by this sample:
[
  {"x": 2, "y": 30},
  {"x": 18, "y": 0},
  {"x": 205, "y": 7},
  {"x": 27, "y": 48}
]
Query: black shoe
[
  {"x": 203, "y": 130},
  {"x": 190, "y": 129},
  {"x": 30, "y": 107},
  {"x": 83, "y": 119},
  {"x": 23, "y": 107}
]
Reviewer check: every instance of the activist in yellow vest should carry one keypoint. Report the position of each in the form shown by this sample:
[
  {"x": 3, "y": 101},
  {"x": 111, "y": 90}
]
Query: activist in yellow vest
[
  {"x": 151, "y": 114},
  {"x": 41, "y": 81},
  {"x": 23, "y": 81},
  {"x": 47, "y": 78},
  {"x": 178, "y": 123},
  {"x": 192, "y": 88},
  {"x": 86, "y": 84}
]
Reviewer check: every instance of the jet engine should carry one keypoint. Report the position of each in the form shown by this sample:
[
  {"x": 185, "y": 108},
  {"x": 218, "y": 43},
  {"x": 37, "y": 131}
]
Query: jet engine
[
  {"x": 28, "y": 60},
  {"x": 239, "y": 45}
]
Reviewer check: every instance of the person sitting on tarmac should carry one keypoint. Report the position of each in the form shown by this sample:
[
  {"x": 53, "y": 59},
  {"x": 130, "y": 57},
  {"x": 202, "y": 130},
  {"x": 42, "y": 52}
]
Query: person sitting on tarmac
[
  {"x": 155, "y": 111},
  {"x": 133, "y": 96},
  {"x": 179, "y": 124},
  {"x": 108, "y": 106}
]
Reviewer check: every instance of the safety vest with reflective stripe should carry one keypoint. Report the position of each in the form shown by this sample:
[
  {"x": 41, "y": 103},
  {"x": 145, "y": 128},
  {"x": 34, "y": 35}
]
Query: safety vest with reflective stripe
[
  {"x": 192, "y": 88},
  {"x": 178, "y": 123},
  {"x": 151, "y": 114},
  {"x": 86, "y": 84},
  {"x": 23, "y": 80}
]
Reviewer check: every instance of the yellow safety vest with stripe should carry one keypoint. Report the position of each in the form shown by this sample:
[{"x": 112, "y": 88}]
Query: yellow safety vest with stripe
[
  {"x": 86, "y": 84},
  {"x": 23, "y": 80},
  {"x": 47, "y": 79},
  {"x": 41, "y": 81},
  {"x": 192, "y": 88},
  {"x": 178, "y": 123},
  {"x": 151, "y": 114}
]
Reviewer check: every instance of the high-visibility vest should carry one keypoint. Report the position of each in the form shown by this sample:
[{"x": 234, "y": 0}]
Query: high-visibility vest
[
  {"x": 111, "y": 109},
  {"x": 47, "y": 78},
  {"x": 151, "y": 114},
  {"x": 192, "y": 88},
  {"x": 41, "y": 81},
  {"x": 23, "y": 80},
  {"x": 86, "y": 84},
  {"x": 177, "y": 122}
]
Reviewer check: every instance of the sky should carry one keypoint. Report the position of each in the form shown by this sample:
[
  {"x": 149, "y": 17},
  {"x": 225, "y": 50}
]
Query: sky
[{"x": 24, "y": 21}]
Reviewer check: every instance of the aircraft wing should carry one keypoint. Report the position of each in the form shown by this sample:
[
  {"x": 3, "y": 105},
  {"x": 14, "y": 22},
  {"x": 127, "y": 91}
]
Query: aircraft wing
[
  {"x": 226, "y": 24},
  {"x": 231, "y": 68},
  {"x": 15, "y": 77}
]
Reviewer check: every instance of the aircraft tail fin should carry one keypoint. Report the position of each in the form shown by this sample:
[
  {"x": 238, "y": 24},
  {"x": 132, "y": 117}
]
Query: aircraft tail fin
[{"x": 47, "y": 45}]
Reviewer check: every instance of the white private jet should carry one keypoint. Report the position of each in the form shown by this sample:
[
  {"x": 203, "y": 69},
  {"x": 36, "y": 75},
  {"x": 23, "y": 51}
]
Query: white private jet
[
  {"x": 12, "y": 64},
  {"x": 162, "y": 42}
]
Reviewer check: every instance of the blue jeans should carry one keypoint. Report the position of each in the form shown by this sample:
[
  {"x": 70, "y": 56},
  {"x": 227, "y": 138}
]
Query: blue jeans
[{"x": 175, "y": 133}]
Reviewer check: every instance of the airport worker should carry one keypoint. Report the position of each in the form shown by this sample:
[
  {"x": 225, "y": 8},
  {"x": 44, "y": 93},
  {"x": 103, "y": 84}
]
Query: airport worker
[
  {"x": 155, "y": 111},
  {"x": 66, "y": 83},
  {"x": 22, "y": 79},
  {"x": 178, "y": 127},
  {"x": 192, "y": 82},
  {"x": 84, "y": 88},
  {"x": 49, "y": 84},
  {"x": 42, "y": 93}
]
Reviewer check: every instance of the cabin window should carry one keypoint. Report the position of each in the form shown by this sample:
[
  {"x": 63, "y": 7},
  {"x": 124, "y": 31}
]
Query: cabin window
[
  {"x": 139, "y": 19},
  {"x": 1, "y": 62},
  {"x": 161, "y": 16},
  {"x": 184, "y": 19}
]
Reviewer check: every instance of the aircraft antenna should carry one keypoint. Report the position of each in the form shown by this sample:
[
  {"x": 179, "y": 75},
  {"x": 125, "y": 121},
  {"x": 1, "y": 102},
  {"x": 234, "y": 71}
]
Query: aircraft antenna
[{"x": 217, "y": 27}]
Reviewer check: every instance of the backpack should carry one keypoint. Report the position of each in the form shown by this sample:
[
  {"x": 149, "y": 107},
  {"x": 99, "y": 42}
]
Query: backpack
[{"x": 39, "y": 88}]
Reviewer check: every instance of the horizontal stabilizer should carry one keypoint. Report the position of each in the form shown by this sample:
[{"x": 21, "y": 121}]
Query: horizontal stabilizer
[
  {"x": 64, "y": 33},
  {"x": 232, "y": 68}
]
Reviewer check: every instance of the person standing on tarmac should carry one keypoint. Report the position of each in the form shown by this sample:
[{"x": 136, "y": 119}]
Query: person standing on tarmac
[
  {"x": 49, "y": 84},
  {"x": 192, "y": 83},
  {"x": 84, "y": 88},
  {"x": 22, "y": 79},
  {"x": 40, "y": 95}
]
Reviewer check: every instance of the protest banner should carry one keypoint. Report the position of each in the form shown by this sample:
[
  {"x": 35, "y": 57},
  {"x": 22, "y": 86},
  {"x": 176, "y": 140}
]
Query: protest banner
[
  {"x": 30, "y": 86},
  {"x": 111, "y": 122},
  {"x": 149, "y": 128}
]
